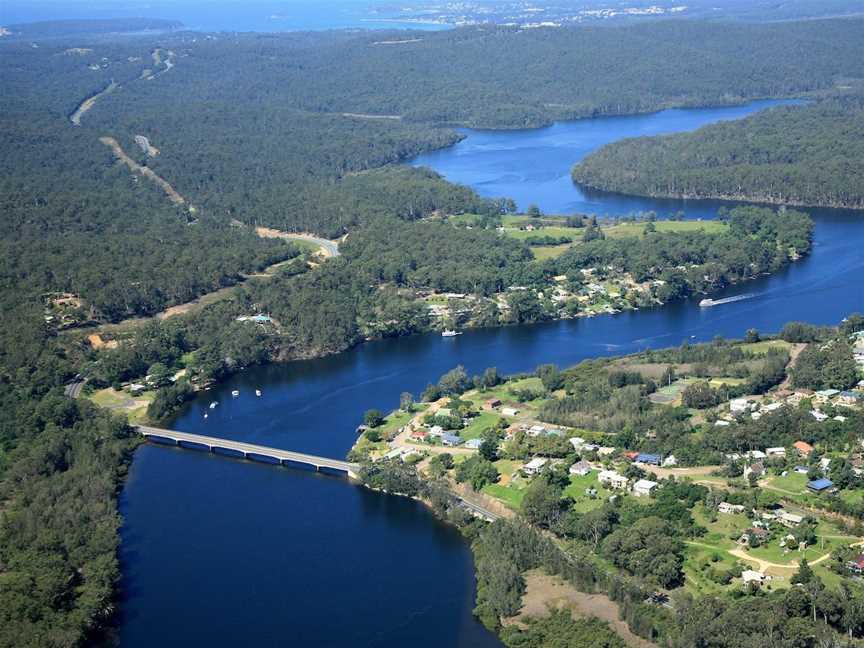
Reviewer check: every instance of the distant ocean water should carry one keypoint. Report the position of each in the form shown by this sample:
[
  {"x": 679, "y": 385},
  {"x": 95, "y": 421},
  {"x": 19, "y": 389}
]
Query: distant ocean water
[{"x": 220, "y": 15}]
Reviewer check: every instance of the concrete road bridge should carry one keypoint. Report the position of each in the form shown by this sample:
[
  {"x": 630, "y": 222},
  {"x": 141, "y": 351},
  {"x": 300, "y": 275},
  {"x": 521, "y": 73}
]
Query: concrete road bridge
[{"x": 248, "y": 450}]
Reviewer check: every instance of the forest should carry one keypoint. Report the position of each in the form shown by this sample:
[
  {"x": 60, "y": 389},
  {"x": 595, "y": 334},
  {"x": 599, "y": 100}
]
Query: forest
[{"x": 795, "y": 155}]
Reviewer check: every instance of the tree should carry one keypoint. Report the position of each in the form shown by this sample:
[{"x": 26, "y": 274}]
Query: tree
[
  {"x": 406, "y": 402},
  {"x": 550, "y": 376},
  {"x": 441, "y": 463},
  {"x": 373, "y": 418},
  {"x": 489, "y": 448},
  {"x": 490, "y": 378},
  {"x": 542, "y": 502},
  {"x": 752, "y": 336},
  {"x": 534, "y": 211},
  {"x": 477, "y": 471},
  {"x": 454, "y": 381}
]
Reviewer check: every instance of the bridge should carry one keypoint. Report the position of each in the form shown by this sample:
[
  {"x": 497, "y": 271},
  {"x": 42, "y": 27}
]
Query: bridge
[{"x": 248, "y": 450}]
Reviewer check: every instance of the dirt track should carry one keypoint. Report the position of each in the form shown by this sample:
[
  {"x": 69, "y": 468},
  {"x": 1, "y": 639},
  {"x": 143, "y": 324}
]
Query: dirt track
[{"x": 148, "y": 173}]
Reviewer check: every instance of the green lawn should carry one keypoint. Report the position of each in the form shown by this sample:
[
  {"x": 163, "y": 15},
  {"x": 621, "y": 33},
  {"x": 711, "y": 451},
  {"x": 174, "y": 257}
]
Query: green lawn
[
  {"x": 120, "y": 402},
  {"x": 543, "y": 252},
  {"x": 478, "y": 424},
  {"x": 630, "y": 230},
  {"x": 576, "y": 490},
  {"x": 393, "y": 422},
  {"x": 763, "y": 347},
  {"x": 512, "y": 497},
  {"x": 791, "y": 483}
]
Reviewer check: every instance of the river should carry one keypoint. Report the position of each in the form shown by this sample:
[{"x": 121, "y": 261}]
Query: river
[{"x": 221, "y": 552}]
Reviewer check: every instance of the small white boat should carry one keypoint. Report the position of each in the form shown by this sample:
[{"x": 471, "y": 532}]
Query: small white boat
[
  {"x": 235, "y": 393},
  {"x": 449, "y": 333},
  {"x": 257, "y": 392},
  {"x": 705, "y": 303},
  {"x": 213, "y": 405},
  {"x": 205, "y": 415}
]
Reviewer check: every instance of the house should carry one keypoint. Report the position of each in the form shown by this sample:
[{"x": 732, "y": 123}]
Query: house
[
  {"x": 509, "y": 411},
  {"x": 757, "y": 454},
  {"x": 819, "y": 485},
  {"x": 732, "y": 509},
  {"x": 491, "y": 403},
  {"x": 136, "y": 388},
  {"x": 825, "y": 395},
  {"x": 473, "y": 444},
  {"x": 451, "y": 440},
  {"x": 775, "y": 452},
  {"x": 819, "y": 416},
  {"x": 804, "y": 449},
  {"x": 857, "y": 564},
  {"x": 631, "y": 455},
  {"x": 612, "y": 479},
  {"x": 722, "y": 423},
  {"x": 753, "y": 576},
  {"x": 802, "y": 470},
  {"x": 534, "y": 466},
  {"x": 754, "y": 469},
  {"x": 772, "y": 407},
  {"x": 536, "y": 430},
  {"x": 643, "y": 487},
  {"x": 670, "y": 461},
  {"x": 580, "y": 468},
  {"x": 757, "y": 532},
  {"x": 419, "y": 435},
  {"x": 436, "y": 431},
  {"x": 603, "y": 451},
  {"x": 577, "y": 442},
  {"x": 824, "y": 463},
  {"x": 850, "y": 398},
  {"x": 739, "y": 405},
  {"x": 790, "y": 520},
  {"x": 650, "y": 459}
]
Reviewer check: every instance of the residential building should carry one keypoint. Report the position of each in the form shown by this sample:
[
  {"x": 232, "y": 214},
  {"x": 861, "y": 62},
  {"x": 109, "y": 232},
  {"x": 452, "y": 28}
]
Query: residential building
[
  {"x": 536, "y": 430},
  {"x": 825, "y": 395},
  {"x": 473, "y": 444},
  {"x": 491, "y": 403},
  {"x": 670, "y": 461},
  {"x": 804, "y": 449},
  {"x": 753, "y": 576},
  {"x": 612, "y": 479},
  {"x": 819, "y": 416},
  {"x": 739, "y": 405},
  {"x": 650, "y": 459},
  {"x": 451, "y": 440},
  {"x": 820, "y": 485},
  {"x": 509, "y": 411},
  {"x": 644, "y": 487},
  {"x": 436, "y": 431},
  {"x": 775, "y": 452},
  {"x": 419, "y": 435},
  {"x": 577, "y": 442},
  {"x": 534, "y": 466},
  {"x": 580, "y": 468},
  {"x": 790, "y": 520},
  {"x": 754, "y": 469},
  {"x": 726, "y": 507}
]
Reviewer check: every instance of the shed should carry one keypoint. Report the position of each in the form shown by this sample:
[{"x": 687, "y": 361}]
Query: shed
[{"x": 820, "y": 485}]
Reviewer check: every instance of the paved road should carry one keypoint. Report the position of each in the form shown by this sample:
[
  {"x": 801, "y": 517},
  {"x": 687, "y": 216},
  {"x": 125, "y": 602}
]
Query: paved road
[{"x": 73, "y": 390}]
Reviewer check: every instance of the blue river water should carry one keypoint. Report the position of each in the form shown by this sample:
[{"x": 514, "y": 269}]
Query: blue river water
[{"x": 221, "y": 552}]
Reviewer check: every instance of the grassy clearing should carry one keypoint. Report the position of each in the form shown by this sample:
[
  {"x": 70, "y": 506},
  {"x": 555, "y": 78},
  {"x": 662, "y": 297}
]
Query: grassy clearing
[
  {"x": 543, "y": 252},
  {"x": 761, "y": 348},
  {"x": 478, "y": 424},
  {"x": 576, "y": 491},
  {"x": 631, "y": 230},
  {"x": 135, "y": 408},
  {"x": 792, "y": 483},
  {"x": 512, "y": 497}
]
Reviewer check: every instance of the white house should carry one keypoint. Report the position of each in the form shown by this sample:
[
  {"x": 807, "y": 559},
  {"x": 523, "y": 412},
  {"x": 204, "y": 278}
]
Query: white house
[
  {"x": 612, "y": 479},
  {"x": 726, "y": 507},
  {"x": 819, "y": 416},
  {"x": 534, "y": 466},
  {"x": 643, "y": 487},
  {"x": 722, "y": 423},
  {"x": 757, "y": 454},
  {"x": 790, "y": 519},
  {"x": 772, "y": 407},
  {"x": 753, "y": 576},
  {"x": 739, "y": 405},
  {"x": 670, "y": 461},
  {"x": 436, "y": 430},
  {"x": 580, "y": 468},
  {"x": 577, "y": 442},
  {"x": 775, "y": 452},
  {"x": 536, "y": 430},
  {"x": 509, "y": 411}
]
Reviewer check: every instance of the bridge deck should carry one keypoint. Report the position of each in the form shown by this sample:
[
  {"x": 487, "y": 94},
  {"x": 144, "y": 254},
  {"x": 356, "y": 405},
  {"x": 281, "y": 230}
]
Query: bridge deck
[{"x": 248, "y": 448}]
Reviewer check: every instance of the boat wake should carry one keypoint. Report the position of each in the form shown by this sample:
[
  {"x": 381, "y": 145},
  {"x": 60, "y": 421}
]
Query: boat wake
[{"x": 707, "y": 303}]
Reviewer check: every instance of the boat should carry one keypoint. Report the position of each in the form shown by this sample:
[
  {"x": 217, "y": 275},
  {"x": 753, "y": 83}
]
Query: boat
[
  {"x": 449, "y": 333},
  {"x": 205, "y": 415},
  {"x": 235, "y": 393},
  {"x": 257, "y": 392},
  {"x": 706, "y": 303},
  {"x": 213, "y": 405}
]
